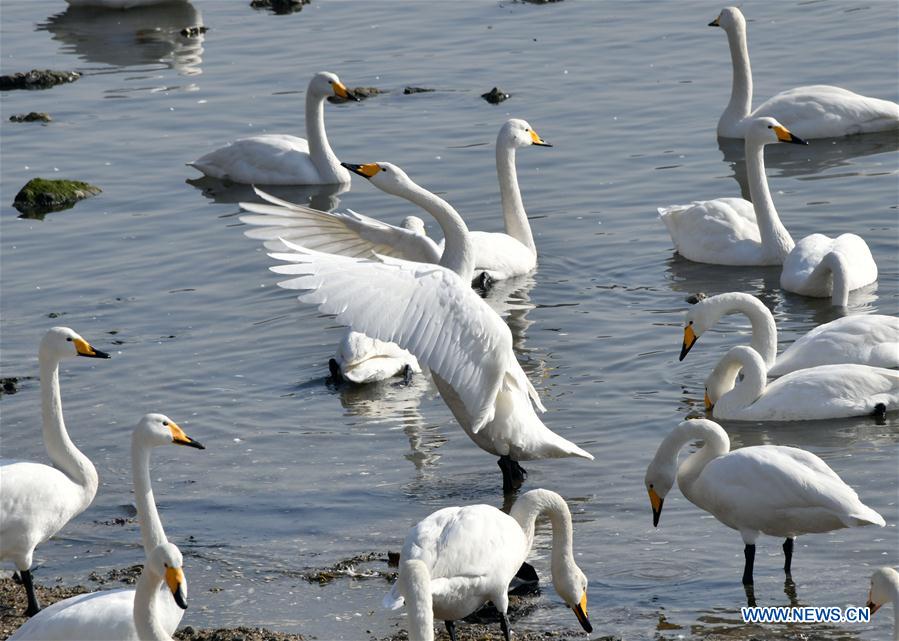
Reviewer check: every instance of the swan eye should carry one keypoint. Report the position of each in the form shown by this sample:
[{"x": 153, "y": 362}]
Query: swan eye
[
  {"x": 650, "y": 486},
  {"x": 770, "y": 126},
  {"x": 691, "y": 322},
  {"x": 69, "y": 339},
  {"x": 165, "y": 423}
]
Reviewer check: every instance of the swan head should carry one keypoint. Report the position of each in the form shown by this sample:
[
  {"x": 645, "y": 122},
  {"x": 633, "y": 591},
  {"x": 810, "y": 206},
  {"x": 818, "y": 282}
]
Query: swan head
[
  {"x": 158, "y": 429},
  {"x": 166, "y": 563},
  {"x": 724, "y": 376},
  {"x": 729, "y": 19},
  {"x": 659, "y": 479},
  {"x": 571, "y": 584},
  {"x": 884, "y": 583},
  {"x": 767, "y": 130},
  {"x": 325, "y": 83},
  {"x": 518, "y": 133},
  {"x": 62, "y": 342},
  {"x": 414, "y": 223},
  {"x": 385, "y": 176}
]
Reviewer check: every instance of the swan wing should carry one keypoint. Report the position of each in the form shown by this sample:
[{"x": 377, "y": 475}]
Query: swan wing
[
  {"x": 100, "y": 616},
  {"x": 271, "y": 159},
  {"x": 808, "y": 267}
]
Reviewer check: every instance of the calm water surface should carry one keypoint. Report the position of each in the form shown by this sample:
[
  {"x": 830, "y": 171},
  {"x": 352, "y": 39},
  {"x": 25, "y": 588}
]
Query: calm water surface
[{"x": 299, "y": 475}]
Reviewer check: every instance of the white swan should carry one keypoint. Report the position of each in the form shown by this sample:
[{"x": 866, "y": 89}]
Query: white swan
[
  {"x": 862, "y": 339},
  {"x": 78, "y": 618},
  {"x": 279, "y": 159},
  {"x": 432, "y": 311},
  {"x": 885, "y": 589},
  {"x": 468, "y": 556},
  {"x": 733, "y": 231},
  {"x": 38, "y": 500},
  {"x": 817, "y": 111},
  {"x": 763, "y": 489},
  {"x": 99, "y": 615},
  {"x": 826, "y": 391},
  {"x": 824, "y": 267},
  {"x": 498, "y": 255}
]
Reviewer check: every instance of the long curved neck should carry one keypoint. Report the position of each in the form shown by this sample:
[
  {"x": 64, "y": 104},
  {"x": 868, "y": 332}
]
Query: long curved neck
[
  {"x": 776, "y": 240},
  {"x": 541, "y": 502},
  {"x": 716, "y": 444},
  {"x": 764, "y": 330},
  {"x": 751, "y": 387},
  {"x": 319, "y": 148},
  {"x": 146, "y": 613},
  {"x": 458, "y": 253},
  {"x": 838, "y": 268},
  {"x": 415, "y": 586},
  {"x": 514, "y": 215},
  {"x": 152, "y": 533},
  {"x": 60, "y": 448},
  {"x": 894, "y": 592},
  {"x": 741, "y": 85}
]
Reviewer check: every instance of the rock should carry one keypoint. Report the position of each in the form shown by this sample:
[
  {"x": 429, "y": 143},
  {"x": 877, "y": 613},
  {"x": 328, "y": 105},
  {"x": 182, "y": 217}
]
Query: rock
[
  {"x": 695, "y": 298},
  {"x": 280, "y": 7},
  {"x": 193, "y": 32},
  {"x": 9, "y": 385},
  {"x": 37, "y": 79},
  {"x": 409, "y": 90},
  {"x": 360, "y": 92},
  {"x": 31, "y": 116},
  {"x": 495, "y": 96},
  {"x": 41, "y": 196}
]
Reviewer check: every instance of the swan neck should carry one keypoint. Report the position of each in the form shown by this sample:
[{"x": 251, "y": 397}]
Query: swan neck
[
  {"x": 415, "y": 586},
  {"x": 458, "y": 253},
  {"x": 776, "y": 240},
  {"x": 320, "y": 151},
  {"x": 514, "y": 214},
  {"x": 840, "y": 278},
  {"x": 543, "y": 503},
  {"x": 740, "y": 103},
  {"x": 747, "y": 391},
  {"x": 716, "y": 443},
  {"x": 764, "y": 330},
  {"x": 894, "y": 597},
  {"x": 146, "y": 611},
  {"x": 152, "y": 533}
]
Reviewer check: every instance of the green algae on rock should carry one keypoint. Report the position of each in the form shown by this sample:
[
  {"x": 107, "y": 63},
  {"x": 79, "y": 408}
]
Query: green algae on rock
[
  {"x": 41, "y": 196},
  {"x": 31, "y": 116},
  {"x": 37, "y": 79}
]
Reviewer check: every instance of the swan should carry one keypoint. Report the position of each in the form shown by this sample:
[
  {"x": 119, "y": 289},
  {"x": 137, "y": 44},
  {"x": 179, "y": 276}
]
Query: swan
[
  {"x": 279, "y": 159},
  {"x": 458, "y": 558},
  {"x": 432, "y": 311},
  {"x": 733, "y": 231},
  {"x": 95, "y": 615},
  {"x": 885, "y": 589},
  {"x": 762, "y": 489},
  {"x": 863, "y": 339},
  {"x": 116, "y": 608},
  {"x": 817, "y": 111},
  {"x": 38, "y": 500},
  {"x": 823, "y": 267},
  {"x": 825, "y": 391},
  {"x": 498, "y": 255}
]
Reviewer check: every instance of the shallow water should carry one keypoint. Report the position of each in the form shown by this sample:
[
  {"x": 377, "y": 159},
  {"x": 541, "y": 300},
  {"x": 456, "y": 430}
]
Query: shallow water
[{"x": 299, "y": 475}]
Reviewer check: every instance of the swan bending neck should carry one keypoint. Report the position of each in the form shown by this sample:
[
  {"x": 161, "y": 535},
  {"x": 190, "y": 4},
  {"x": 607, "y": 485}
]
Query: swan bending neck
[
  {"x": 764, "y": 329},
  {"x": 541, "y": 502},
  {"x": 514, "y": 214},
  {"x": 458, "y": 253},
  {"x": 716, "y": 443},
  {"x": 415, "y": 586},
  {"x": 776, "y": 240}
]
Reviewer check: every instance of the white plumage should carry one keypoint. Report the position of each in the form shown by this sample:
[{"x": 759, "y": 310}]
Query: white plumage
[
  {"x": 824, "y": 267},
  {"x": 885, "y": 589}
]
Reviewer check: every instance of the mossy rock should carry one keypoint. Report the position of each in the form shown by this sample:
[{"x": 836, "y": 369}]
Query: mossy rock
[
  {"x": 41, "y": 196},
  {"x": 495, "y": 96},
  {"x": 37, "y": 79},
  {"x": 31, "y": 116},
  {"x": 280, "y": 7},
  {"x": 360, "y": 93}
]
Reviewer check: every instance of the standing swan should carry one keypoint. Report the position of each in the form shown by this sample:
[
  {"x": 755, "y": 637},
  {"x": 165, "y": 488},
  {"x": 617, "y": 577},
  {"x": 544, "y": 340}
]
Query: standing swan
[
  {"x": 763, "y": 489},
  {"x": 885, "y": 589},
  {"x": 432, "y": 311},
  {"x": 817, "y": 111},
  {"x": 115, "y": 608},
  {"x": 463, "y": 557},
  {"x": 92, "y": 615},
  {"x": 279, "y": 159},
  {"x": 864, "y": 339},
  {"x": 38, "y": 500}
]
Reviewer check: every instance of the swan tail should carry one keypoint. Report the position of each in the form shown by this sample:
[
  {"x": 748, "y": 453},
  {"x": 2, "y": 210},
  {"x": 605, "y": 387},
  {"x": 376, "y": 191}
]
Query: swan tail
[{"x": 865, "y": 516}]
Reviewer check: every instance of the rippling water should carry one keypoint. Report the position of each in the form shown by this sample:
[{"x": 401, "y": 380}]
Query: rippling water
[{"x": 298, "y": 474}]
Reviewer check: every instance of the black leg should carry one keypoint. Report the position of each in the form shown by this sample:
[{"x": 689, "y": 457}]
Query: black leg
[
  {"x": 788, "y": 555},
  {"x": 750, "y": 594},
  {"x": 451, "y": 629},
  {"x": 34, "y": 605},
  {"x": 407, "y": 374},
  {"x": 749, "y": 553},
  {"x": 880, "y": 413},
  {"x": 513, "y": 474},
  {"x": 504, "y": 625},
  {"x": 334, "y": 368}
]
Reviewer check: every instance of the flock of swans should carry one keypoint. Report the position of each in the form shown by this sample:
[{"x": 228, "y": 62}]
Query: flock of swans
[{"x": 409, "y": 306}]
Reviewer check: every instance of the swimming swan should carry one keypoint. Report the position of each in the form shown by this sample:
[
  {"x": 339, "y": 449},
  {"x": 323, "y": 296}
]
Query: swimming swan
[
  {"x": 432, "y": 311},
  {"x": 79, "y": 618},
  {"x": 817, "y": 111},
  {"x": 826, "y": 391},
  {"x": 885, "y": 589},
  {"x": 95, "y": 615},
  {"x": 863, "y": 339},
  {"x": 459, "y": 558},
  {"x": 762, "y": 489},
  {"x": 38, "y": 500},
  {"x": 279, "y": 159},
  {"x": 823, "y": 267}
]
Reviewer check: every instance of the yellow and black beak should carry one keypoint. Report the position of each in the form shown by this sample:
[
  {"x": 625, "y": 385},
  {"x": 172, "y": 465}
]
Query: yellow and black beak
[
  {"x": 690, "y": 339},
  {"x": 366, "y": 171},
  {"x": 656, "y": 502},
  {"x": 716, "y": 22},
  {"x": 784, "y": 135},
  {"x": 180, "y": 438},
  {"x": 537, "y": 140},
  {"x": 174, "y": 578},
  {"x": 341, "y": 91},
  {"x": 872, "y": 607},
  {"x": 84, "y": 349},
  {"x": 580, "y": 611}
]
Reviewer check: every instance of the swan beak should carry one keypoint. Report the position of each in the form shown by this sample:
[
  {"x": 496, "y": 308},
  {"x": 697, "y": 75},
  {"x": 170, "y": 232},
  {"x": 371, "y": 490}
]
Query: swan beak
[
  {"x": 174, "y": 577},
  {"x": 784, "y": 135},
  {"x": 715, "y": 22},
  {"x": 580, "y": 611},
  {"x": 180, "y": 438},
  {"x": 366, "y": 171},
  {"x": 84, "y": 349},
  {"x": 690, "y": 339},
  {"x": 341, "y": 91},
  {"x": 708, "y": 402},
  {"x": 656, "y": 502},
  {"x": 537, "y": 140},
  {"x": 873, "y": 607}
]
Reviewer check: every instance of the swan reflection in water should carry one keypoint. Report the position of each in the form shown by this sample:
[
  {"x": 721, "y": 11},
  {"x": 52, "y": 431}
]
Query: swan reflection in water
[{"x": 321, "y": 197}]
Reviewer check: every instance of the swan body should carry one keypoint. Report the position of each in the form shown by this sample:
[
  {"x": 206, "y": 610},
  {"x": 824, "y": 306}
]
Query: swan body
[
  {"x": 733, "y": 231},
  {"x": 367, "y": 360},
  {"x": 824, "y": 267},
  {"x": 885, "y": 589},
  {"x": 862, "y": 339},
  {"x": 826, "y": 391},
  {"x": 817, "y": 111},
  {"x": 80, "y": 617},
  {"x": 470, "y": 554},
  {"x": 278, "y": 159},
  {"x": 763, "y": 489},
  {"x": 38, "y": 500}
]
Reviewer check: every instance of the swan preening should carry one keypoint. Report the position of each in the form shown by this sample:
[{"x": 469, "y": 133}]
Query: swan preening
[
  {"x": 360, "y": 359},
  {"x": 763, "y": 489},
  {"x": 38, "y": 500},
  {"x": 126, "y": 615},
  {"x": 885, "y": 589},
  {"x": 459, "y": 558},
  {"x": 862, "y": 339},
  {"x": 279, "y": 159},
  {"x": 817, "y": 111}
]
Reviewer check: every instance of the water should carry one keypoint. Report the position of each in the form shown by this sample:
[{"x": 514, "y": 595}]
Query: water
[{"x": 298, "y": 475}]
